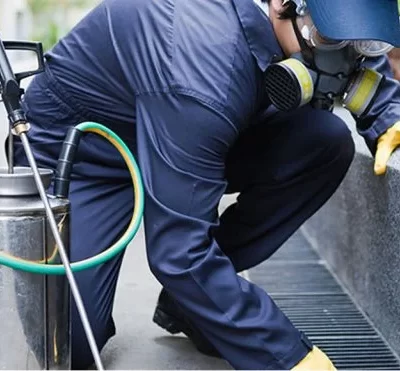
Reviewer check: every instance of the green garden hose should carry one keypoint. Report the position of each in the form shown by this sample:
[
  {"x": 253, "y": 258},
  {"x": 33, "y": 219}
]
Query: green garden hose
[{"x": 117, "y": 247}]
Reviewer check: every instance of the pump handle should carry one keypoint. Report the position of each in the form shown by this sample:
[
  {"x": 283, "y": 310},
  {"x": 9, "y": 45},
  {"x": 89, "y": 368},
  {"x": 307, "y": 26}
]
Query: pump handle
[
  {"x": 9, "y": 82},
  {"x": 36, "y": 47}
]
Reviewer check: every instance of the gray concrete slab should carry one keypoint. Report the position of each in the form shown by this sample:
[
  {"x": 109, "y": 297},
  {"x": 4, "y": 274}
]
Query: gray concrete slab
[{"x": 357, "y": 232}]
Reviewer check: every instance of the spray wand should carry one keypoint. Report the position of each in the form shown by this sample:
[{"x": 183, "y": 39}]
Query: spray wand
[{"x": 11, "y": 94}]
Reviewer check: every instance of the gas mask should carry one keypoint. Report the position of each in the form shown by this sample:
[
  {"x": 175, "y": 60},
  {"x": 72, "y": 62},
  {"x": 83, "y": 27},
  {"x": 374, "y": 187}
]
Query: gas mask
[{"x": 324, "y": 70}]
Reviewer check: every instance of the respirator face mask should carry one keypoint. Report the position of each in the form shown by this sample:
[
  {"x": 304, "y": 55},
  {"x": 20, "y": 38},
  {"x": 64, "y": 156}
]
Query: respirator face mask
[{"x": 324, "y": 70}]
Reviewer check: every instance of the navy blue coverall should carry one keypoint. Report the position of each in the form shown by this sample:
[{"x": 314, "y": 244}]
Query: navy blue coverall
[{"x": 182, "y": 83}]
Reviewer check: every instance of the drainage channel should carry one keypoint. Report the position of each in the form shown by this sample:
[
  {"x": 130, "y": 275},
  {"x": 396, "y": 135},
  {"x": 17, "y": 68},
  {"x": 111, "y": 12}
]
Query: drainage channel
[{"x": 314, "y": 301}]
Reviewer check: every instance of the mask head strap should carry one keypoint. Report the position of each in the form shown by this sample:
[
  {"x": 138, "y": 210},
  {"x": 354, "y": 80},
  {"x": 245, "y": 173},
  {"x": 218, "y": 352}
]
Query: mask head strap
[{"x": 292, "y": 12}]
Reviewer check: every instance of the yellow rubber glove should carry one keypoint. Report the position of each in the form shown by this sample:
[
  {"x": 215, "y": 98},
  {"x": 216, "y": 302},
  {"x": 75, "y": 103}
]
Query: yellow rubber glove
[
  {"x": 316, "y": 360},
  {"x": 387, "y": 143}
]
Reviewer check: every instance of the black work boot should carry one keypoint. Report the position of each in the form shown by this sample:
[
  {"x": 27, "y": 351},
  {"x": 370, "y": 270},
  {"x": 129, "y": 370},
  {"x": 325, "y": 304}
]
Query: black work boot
[{"x": 171, "y": 318}]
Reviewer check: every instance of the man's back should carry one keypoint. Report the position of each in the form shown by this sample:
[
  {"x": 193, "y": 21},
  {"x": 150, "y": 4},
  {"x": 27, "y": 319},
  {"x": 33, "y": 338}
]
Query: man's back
[{"x": 125, "y": 48}]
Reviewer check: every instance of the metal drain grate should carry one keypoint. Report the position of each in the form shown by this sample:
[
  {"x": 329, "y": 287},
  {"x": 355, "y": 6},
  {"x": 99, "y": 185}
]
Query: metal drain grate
[
  {"x": 296, "y": 249},
  {"x": 295, "y": 278},
  {"x": 358, "y": 353},
  {"x": 305, "y": 290},
  {"x": 331, "y": 315}
]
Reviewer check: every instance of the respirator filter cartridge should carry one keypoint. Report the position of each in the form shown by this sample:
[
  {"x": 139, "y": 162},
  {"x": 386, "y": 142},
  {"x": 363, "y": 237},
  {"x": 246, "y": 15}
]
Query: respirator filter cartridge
[
  {"x": 362, "y": 90},
  {"x": 289, "y": 84}
]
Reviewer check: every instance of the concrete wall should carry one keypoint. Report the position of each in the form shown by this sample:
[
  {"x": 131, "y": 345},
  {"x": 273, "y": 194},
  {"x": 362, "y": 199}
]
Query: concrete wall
[{"x": 358, "y": 233}]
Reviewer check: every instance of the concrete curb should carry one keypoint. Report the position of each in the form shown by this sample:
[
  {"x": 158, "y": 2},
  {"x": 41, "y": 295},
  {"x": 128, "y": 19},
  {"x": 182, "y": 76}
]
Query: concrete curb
[{"x": 358, "y": 233}]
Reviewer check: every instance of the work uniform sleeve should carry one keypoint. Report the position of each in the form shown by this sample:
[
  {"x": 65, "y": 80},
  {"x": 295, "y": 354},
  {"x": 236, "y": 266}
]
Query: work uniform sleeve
[
  {"x": 385, "y": 110},
  {"x": 182, "y": 145}
]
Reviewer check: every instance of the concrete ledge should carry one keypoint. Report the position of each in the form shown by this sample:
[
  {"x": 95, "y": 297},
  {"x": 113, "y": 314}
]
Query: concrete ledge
[{"x": 358, "y": 233}]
